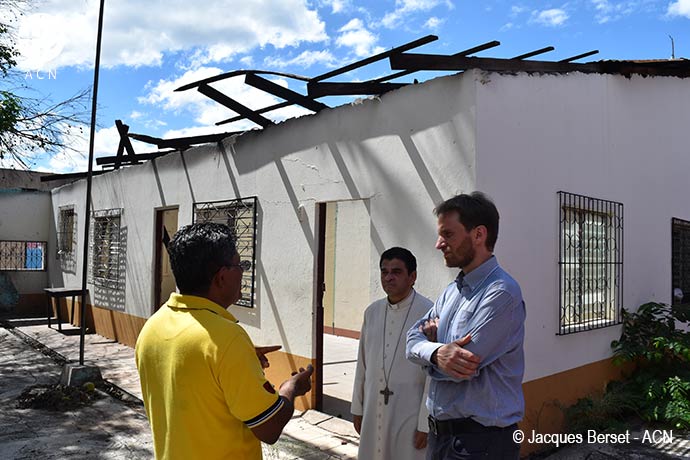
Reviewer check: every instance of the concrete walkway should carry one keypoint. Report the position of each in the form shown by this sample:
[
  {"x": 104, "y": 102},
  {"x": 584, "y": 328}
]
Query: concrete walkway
[{"x": 309, "y": 435}]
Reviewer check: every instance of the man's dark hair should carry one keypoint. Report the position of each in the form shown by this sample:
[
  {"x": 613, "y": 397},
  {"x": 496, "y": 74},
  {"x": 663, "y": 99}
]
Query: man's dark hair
[
  {"x": 400, "y": 253},
  {"x": 197, "y": 252},
  {"x": 474, "y": 210}
]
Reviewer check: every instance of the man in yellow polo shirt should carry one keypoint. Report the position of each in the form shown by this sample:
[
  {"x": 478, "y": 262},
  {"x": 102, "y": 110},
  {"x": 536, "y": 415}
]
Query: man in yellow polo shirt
[{"x": 203, "y": 385}]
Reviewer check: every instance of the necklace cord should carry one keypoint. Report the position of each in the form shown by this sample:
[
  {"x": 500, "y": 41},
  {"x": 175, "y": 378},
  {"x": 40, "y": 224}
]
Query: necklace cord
[{"x": 402, "y": 328}]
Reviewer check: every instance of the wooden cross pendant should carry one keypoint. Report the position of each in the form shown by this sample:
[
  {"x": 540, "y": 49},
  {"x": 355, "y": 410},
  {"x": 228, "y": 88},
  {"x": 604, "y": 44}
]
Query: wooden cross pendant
[{"x": 386, "y": 392}]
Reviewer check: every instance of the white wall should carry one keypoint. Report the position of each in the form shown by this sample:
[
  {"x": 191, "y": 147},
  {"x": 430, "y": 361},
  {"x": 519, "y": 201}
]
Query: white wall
[
  {"x": 26, "y": 216},
  {"x": 606, "y": 137},
  {"x": 404, "y": 153}
]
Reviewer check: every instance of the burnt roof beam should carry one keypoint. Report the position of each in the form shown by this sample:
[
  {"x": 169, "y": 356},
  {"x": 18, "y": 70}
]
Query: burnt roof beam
[
  {"x": 264, "y": 110},
  {"x": 443, "y": 62},
  {"x": 233, "y": 105},
  {"x": 534, "y": 53},
  {"x": 476, "y": 49},
  {"x": 182, "y": 142},
  {"x": 124, "y": 144},
  {"x": 284, "y": 93},
  {"x": 237, "y": 73},
  {"x": 580, "y": 56},
  {"x": 321, "y": 89},
  {"x": 139, "y": 156},
  {"x": 377, "y": 57}
]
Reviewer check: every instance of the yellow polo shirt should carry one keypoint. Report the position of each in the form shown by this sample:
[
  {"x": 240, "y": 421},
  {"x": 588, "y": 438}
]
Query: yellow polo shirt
[{"x": 202, "y": 382}]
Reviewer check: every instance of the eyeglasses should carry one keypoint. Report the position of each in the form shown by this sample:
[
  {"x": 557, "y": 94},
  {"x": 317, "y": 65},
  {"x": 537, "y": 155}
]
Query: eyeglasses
[{"x": 244, "y": 265}]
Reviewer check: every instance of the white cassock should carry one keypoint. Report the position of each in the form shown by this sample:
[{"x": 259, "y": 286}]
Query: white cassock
[{"x": 388, "y": 429}]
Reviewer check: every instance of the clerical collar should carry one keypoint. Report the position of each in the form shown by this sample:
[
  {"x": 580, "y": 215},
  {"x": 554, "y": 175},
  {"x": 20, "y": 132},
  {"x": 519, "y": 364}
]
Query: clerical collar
[{"x": 404, "y": 303}]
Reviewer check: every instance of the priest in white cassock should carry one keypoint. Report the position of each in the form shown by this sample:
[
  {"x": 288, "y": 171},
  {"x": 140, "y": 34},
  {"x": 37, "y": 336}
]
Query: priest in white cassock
[{"x": 389, "y": 395}]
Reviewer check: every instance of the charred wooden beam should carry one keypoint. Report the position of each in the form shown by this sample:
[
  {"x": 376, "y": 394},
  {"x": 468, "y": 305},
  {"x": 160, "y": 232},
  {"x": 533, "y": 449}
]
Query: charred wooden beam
[
  {"x": 263, "y": 110},
  {"x": 182, "y": 142},
  {"x": 535, "y": 53},
  {"x": 125, "y": 143},
  {"x": 138, "y": 157},
  {"x": 233, "y": 105},
  {"x": 236, "y": 73},
  {"x": 321, "y": 89},
  {"x": 377, "y": 57},
  {"x": 579, "y": 56},
  {"x": 443, "y": 62},
  {"x": 476, "y": 49},
  {"x": 284, "y": 93},
  {"x": 78, "y": 175}
]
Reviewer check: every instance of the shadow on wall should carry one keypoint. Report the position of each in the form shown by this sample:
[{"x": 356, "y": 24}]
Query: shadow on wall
[
  {"x": 110, "y": 293},
  {"x": 370, "y": 120}
]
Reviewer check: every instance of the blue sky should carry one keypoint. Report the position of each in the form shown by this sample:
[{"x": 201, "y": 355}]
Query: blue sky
[{"x": 151, "y": 48}]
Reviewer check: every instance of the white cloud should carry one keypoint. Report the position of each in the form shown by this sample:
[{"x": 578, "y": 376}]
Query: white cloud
[
  {"x": 339, "y": 6},
  {"x": 305, "y": 59},
  {"x": 356, "y": 36},
  {"x": 433, "y": 23},
  {"x": 554, "y": 17},
  {"x": 404, "y": 8},
  {"x": 247, "y": 61},
  {"x": 607, "y": 11},
  {"x": 516, "y": 10},
  {"x": 206, "y": 112},
  {"x": 679, "y": 8},
  {"x": 63, "y": 32}
]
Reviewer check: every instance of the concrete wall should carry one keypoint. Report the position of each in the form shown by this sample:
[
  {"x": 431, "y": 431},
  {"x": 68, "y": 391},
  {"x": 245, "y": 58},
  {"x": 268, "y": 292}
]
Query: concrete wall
[
  {"x": 606, "y": 137},
  {"x": 402, "y": 153},
  {"x": 26, "y": 216}
]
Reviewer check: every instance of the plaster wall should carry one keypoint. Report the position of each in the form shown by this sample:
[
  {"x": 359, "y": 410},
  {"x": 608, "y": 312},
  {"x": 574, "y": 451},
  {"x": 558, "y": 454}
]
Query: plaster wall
[
  {"x": 26, "y": 216},
  {"x": 402, "y": 154},
  {"x": 606, "y": 137}
]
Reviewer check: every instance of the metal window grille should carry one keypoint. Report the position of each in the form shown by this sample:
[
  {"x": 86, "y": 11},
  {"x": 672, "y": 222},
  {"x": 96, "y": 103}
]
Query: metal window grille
[
  {"x": 240, "y": 216},
  {"x": 20, "y": 256},
  {"x": 66, "y": 233},
  {"x": 106, "y": 248},
  {"x": 680, "y": 256},
  {"x": 590, "y": 263}
]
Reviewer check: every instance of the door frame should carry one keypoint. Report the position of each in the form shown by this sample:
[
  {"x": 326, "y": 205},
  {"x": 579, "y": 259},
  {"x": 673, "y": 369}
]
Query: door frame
[{"x": 158, "y": 236}]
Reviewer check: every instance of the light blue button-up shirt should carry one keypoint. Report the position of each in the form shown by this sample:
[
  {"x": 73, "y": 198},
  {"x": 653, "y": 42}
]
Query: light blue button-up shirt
[{"x": 486, "y": 303}]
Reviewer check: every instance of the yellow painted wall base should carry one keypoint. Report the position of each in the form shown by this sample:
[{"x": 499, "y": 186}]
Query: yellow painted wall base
[
  {"x": 545, "y": 398},
  {"x": 125, "y": 329},
  {"x": 112, "y": 324}
]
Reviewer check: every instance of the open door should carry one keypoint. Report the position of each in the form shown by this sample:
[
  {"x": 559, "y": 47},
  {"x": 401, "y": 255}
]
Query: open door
[
  {"x": 166, "y": 226},
  {"x": 343, "y": 279}
]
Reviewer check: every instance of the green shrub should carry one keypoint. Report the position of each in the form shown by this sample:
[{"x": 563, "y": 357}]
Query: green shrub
[{"x": 658, "y": 390}]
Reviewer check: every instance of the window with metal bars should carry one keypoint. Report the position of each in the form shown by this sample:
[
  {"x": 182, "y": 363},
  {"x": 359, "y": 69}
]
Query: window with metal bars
[
  {"x": 66, "y": 233},
  {"x": 590, "y": 263},
  {"x": 680, "y": 260},
  {"x": 106, "y": 248},
  {"x": 19, "y": 256},
  {"x": 240, "y": 216}
]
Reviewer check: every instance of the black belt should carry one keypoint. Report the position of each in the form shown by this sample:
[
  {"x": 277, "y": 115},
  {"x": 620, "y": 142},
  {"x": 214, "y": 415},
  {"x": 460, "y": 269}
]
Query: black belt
[{"x": 462, "y": 425}]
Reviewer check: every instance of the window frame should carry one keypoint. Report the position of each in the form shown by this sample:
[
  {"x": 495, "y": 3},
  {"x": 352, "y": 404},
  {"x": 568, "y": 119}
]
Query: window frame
[
  {"x": 65, "y": 234},
  {"x": 680, "y": 258},
  {"x": 22, "y": 246},
  {"x": 245, "y": 248},
  {"x": 597, "y": 256},
  {"x": 112, "y": 253}
]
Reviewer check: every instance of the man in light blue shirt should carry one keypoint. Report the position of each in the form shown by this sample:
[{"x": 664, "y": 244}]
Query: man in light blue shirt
[{"x": 471, "y": 341}]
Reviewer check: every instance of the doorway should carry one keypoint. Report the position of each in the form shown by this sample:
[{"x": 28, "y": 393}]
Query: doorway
[
  {"x": 166, "y": 226},
  {"x": 344, "y": 275}
]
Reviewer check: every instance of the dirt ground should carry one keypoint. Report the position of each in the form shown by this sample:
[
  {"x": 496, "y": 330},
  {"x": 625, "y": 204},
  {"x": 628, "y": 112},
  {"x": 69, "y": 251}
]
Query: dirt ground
[{"x": 105, "y": 429}]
